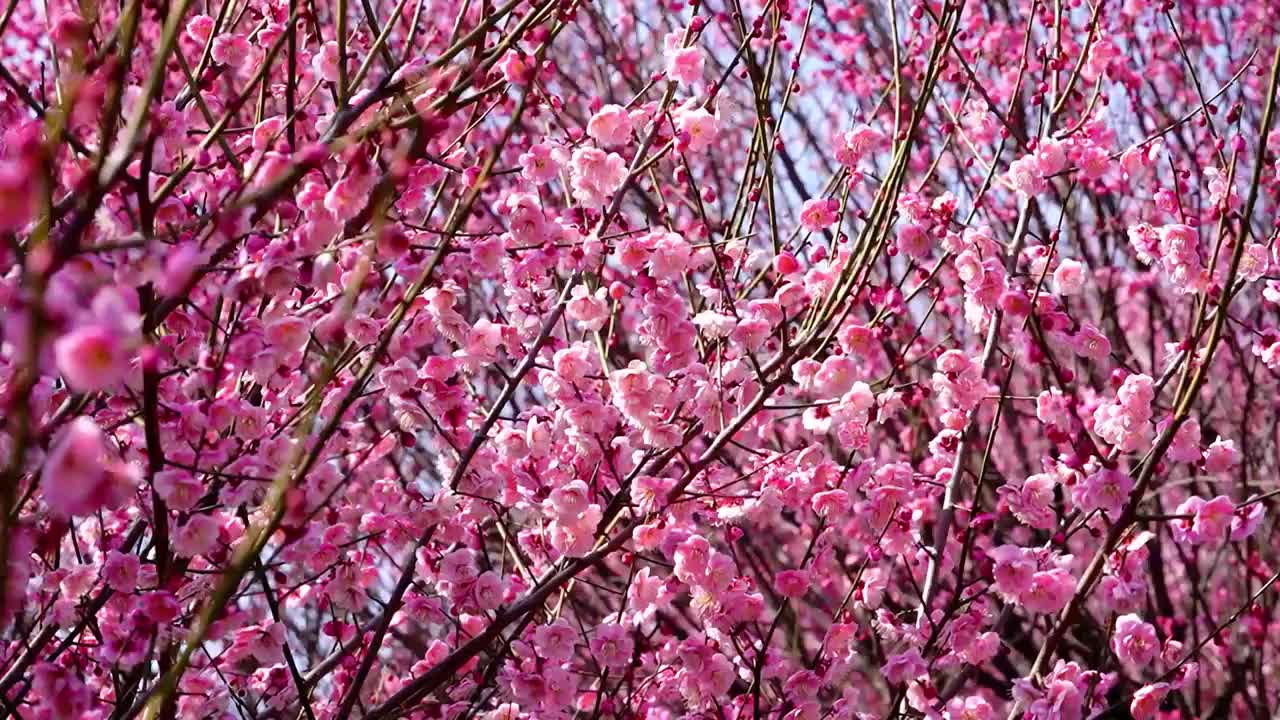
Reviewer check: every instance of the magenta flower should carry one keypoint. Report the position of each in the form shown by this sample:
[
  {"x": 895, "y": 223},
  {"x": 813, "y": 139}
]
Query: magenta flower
[{"x": 81, "y": 476}]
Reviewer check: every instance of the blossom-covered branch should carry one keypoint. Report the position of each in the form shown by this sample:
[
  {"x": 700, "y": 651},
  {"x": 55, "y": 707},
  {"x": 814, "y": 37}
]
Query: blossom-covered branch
[{"x": 782, "y": 360}]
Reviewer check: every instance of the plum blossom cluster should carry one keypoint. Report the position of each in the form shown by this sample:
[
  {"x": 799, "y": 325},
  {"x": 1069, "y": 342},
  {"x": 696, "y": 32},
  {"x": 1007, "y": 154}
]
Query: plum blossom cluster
[{"x": 557, "y": 359}]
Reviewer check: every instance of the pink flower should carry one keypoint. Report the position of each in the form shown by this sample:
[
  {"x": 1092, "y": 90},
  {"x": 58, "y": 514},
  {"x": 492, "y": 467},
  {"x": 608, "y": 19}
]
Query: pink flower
[
  {"x": 1032, "y": 501},
  {"x": 1146, "y": 701},
  {"x": 670, "y": 256},
  {"x": 570, "y": 499},
  {"x": 325, "y": 62},
  {"x": 1069, "y": 277},
  {"x": 700, "y": 126},
  {"x": 92, "y": 357},
  {"x": 973, "y": 707},
  {"x": 786, "y": 264},
  {"x": 1254, "y": 261},
  {"x": 1180, "y": 256},
  {"x": 1089, "y": 342},
  {"x": 1124, "y": 422},
  {"x": 853, "y": 145},
  {"x": 691, "y": 558},
  {"x": 904, "y": 666},
  {"x": 575, "y": 536},
  {"x": 539, "y": 165},
  {"x": 596, "y": 175},
  {"x": 1246, "y": 520},
  {"x": 573, "y": 363},
  {"x": 1107, "y": 490},
  {"x": 590, "y": 309},
  {"x": 1093, "y": 162},
  {"x": 488, "y": 590},
  {"x": 516, "y": 68},
  {"x": 197, "y": 536},
  {"x": 835, "y": 377},
  {"x": 1186, "y": 442},
  {"x": 199, "y": 28},
  {"x": 347, "y": 197},
  {"x": 819, "y": 214},
  {"x": 969, "y": 268},
  {"x": 610, "y": 126},
  {"x": 857, "y": 340},
  {"x": 713, "y": 324},
  {"x": 458, "y": 567},
  {"x": 1181, "y": 528},
  {"x": 684, "y": 64},
  {"x": 831, "y": 504},
  {"x": 1135, "y": 641},
  {"x": 231, "y": 49},
  {"x": 1213, "y": 520},
  {"x": 1052, "y": 408},
  {"x": 555, "y": 641},
  {"x": 792, "y": 583},
  {"x": 180, "y": 489},
  {"x": 179, "y": 266},
  {"x": 1014, "y": 568},
  {"x": 1063, "y": 695},
  {"x": 1049, "y": 591},
  {"x": 914, "y": 241},
  {"x": 79, "y": 476},
  {"x": 288, "y": 334},
  {"x": 612, "y": 645},
  {"x": 1051, "y": 157},
  {"x": 120, "y": 571},
  {"x": 1026, "y": 177},
  {"x": 61, "y": 692},
  {"x": 263, "y": 643}
]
